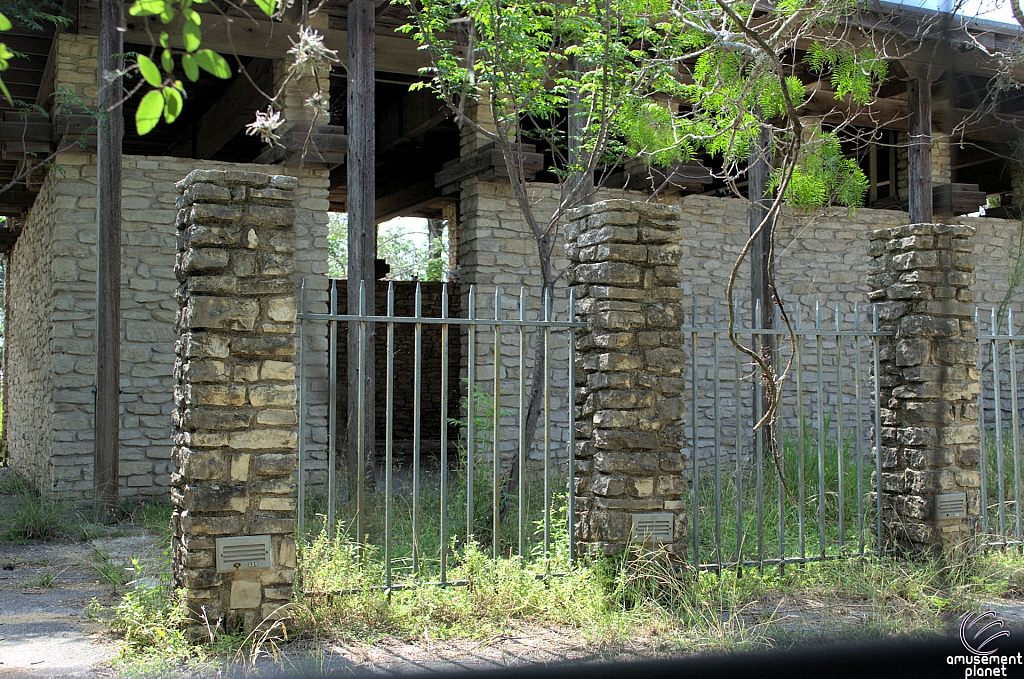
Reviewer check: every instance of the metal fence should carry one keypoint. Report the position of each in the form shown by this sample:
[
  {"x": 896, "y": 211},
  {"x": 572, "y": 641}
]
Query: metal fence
[
  {"x": 999, "y": 425},
  {"x": 429, "y": 504},
  {"x": 798, "y": 491}
]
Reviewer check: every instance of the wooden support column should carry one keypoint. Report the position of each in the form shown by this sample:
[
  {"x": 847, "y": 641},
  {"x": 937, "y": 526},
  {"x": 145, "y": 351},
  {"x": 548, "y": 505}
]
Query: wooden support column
[
  {"x": 919, "y": 150},
  {"x": 108, "y": 266},
  {"x": 362, "y": 230}
]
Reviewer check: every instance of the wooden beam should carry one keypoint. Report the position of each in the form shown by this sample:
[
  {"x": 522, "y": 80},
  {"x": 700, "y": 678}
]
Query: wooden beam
[
  {"x": 412, "y": 115},
  {"x": 362, "y": 234},
  {"x": 106, "y": 451},
  {"x": 405, "y": 200},
  {"x": 919, "y": 151},
  {"x": 263, "y": 38},
  {"x": 488, "y": 162},
  {"x": 228, "y": 116}
]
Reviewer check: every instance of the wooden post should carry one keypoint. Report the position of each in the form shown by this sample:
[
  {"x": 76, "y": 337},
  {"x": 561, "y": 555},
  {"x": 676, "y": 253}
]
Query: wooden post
[
  {"x": 108, "y": 266},
  {"x": 919, "y": 150},
  {"x": 362, "y": 230}
]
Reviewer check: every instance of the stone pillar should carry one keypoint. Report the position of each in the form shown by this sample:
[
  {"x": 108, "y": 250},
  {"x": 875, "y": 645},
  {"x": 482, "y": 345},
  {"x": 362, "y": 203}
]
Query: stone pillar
[
  {"x": 235, "y": 398},
  {"x": 629, "y": 470},
  {"x": 929, "y": 383}
]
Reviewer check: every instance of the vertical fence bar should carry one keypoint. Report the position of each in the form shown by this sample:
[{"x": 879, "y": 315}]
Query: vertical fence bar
[
  {"x": 332, "y": 413},
  {"x": 798, "y": 344},
  {"x": 361, "y": 420},
  {"x": 739, "y": 449},
  {"x": 417, "y": 389},
  {"x": 522, "y": 423},
  {"x": 779, "y": 455},
  {"x": 495, "y": 430},
  {"x": 839, "y": 429},
  {"x": 1015, "y": 422},
  {"x": 470, "y": 411},
  {"x": 444, "y": 435},
  {"x": 878, "y": 427},
  {"x": 998, "y": 417},
  {"x": 821, "y": 430},
  {"x": 860, "y": 430},
  {"x": 547, "y": 430},
  {"x": 300, "y": 522},
  {"x": 694, "y": 473},
  {"x": 981, "y": 429},
  {"x": 757, "y": 341},
  {"x": 718, "y": 427},
  {"x": 571, "y": 397},
  {"x": 389, "y": 446}
]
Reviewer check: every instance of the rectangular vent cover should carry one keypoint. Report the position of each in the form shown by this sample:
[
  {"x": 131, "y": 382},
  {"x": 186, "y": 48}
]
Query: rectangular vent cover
[
  {"x": 652, "y": 527},
  {"x": 951, "y": 506},
  {"x": 243, "y": 553}
]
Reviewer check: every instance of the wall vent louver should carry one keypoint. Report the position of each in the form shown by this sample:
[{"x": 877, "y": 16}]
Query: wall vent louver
[
  {"x": 649, "y": 528},
  {"x": 245, "y": 552},
  {"x": 951, "y": 506}
]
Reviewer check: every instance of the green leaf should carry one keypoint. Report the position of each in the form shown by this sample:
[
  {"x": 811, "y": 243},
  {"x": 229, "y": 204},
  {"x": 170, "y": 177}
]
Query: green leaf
[
  {"x": 7, "y": 93},
  {"x": 192, "y": 15},
  {"x": 172, "y": 104},
  {"x": 145, "y": 8},
  {"x": 5, "y": 23},
  {"x": 188, "y": 62},
  {"x": 150, "y": 109},
  {"x": 192, "y": 36},
  {"x": 167, "y": 16},
  {"x": 149, "y": 71},
  {"x": 213, "y": 63},
  {"x": 268, "y": 6},
  {"x": 165, "y": 40},
  {"x": 167, "y": 61}
]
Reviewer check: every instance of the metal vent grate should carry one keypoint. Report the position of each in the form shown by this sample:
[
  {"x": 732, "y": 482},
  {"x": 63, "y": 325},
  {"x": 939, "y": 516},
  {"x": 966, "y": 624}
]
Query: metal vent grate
[
  {"x": 951, "y": 506},
  {"x": 652, "y": 527},
  {"x": 243, "y": 553}
]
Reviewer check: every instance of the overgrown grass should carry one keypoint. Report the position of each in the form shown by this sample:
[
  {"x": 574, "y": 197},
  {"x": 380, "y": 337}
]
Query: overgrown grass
[
  {"x": 28, "y": 515},
  {"x": 812, "y": 502}
]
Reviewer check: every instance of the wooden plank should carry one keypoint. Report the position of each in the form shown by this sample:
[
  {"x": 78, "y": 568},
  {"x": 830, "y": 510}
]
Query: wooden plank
[
  {"x": 919, "y": 151},
  {"x": 266, "y": 39},
  {"x": 106, "y": 449},
  {"x": 412, "y": 115},
  {"x": 362, "y": 229},
  {"x": 406, "y": 200}
]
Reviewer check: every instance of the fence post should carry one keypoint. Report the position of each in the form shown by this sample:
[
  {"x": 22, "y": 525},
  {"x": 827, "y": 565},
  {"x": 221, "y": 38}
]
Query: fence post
[
  {"x": 234, "y": 419},
  {"x": 629, "y": 483},
  {"x": 929, "y": 384}
]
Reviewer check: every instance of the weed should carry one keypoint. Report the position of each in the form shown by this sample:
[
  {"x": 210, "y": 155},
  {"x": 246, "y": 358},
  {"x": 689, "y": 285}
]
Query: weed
[
  {"x": 32, "y": 516},
  {"x": 109, "y": 572},
  {"x": 42, "y": 582},
  {"x": 13, "y": 483}
]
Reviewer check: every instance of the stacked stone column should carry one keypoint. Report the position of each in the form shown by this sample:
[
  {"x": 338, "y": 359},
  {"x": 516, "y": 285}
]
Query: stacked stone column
[
  {"x": 234, "y": 422},
  {"x": 929, "y": 382},
  {"x": 624, "y": 270}
]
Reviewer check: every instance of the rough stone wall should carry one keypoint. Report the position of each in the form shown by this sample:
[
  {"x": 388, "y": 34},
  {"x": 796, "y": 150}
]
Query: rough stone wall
[
  {"x": 928, "y": 379},
  {"x": 31, "y": 325},
  {"x": 629, "y": 371},
  {"x": 76, "y": 67},
  {"x": 49, "y": 415},
  {"x": 496, "y": 248},
  {"x": 821, "y": 258},
  {"x": 234, "y": 422}
]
